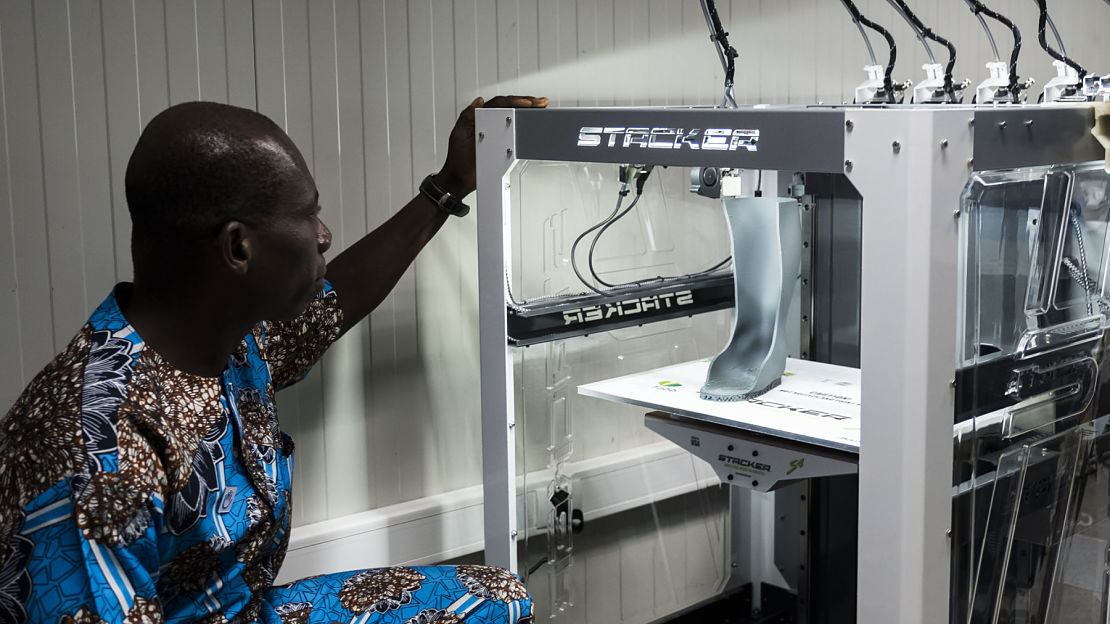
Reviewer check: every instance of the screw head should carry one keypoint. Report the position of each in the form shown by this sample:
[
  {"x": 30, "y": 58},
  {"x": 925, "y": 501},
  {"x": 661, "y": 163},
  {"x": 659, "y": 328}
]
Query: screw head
[
  {"x": 1002, "y": 124},
  {"x": 849, "y": 124},
  {"x": 848, "y": 165},
  {"x": 481, "y": 136},
  {"x": 896, "y": 146},
  {"x": 508, "y": 120},
  {"x": 944, "y": 144},
  {"x": 508, "y": 151}
]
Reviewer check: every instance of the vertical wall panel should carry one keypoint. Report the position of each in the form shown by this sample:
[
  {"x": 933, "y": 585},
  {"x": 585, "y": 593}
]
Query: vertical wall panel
[
  {"x": 299, "y": 68},
  {"x": 547, "y": 43},
  {"x": 152, "y": 59},
  {"x": 405, "y": 418},
  {"x": 507, "y": 33},
  {"x": 212, "y": 52},
  {"x": 658, "y": 30},
  {"x": 807, "y": 35},
  {"x": 527, "y": 46},
  {"x": 838, "y": 39},
  {"x": 388, "y": 340},
  {"x": 693, "y": 86},
  {"x": 436, "y": 275},
  {"x": 564, "y": 23},
  {"x": 11, "y": 366},
  {"x": 240, "y": 63},
  {"x": 21, "y": 113},
  {"x": 456, "y": 404},
  {"x": 269, "y": 60},
  {"x": 344, "y": 426},
  {"x": 121, "y": 96},
  {"x": 346, "y": 369},
  {"x": 182, "y": 52},
  {"x": 62, "y": 192},
  {"x": 376, "y": 142},
  {"x": 628, "y": 40},
  {"x": 94, "y": 178},
  {"x": 466, "y": 50},
  {"x": 466, "y": 258},
  {"x": 486, "y": 59},
  {"x": 586, "y": 36}
]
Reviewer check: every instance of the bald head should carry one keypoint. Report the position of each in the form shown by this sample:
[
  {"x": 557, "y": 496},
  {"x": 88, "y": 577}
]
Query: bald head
[{"x": 197, "y": 166}]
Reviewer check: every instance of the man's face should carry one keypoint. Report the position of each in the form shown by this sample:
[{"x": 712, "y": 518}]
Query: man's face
[{"x": 287, "y": 265}]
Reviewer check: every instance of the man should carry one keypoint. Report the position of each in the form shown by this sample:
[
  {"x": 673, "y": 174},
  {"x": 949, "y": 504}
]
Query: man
[{"x": 143, "y": 477}]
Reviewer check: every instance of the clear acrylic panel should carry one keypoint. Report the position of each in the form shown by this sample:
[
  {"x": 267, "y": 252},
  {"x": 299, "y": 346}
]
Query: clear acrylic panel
[
  {"x": 1031, "y": 495},
  {"x": 606, "y": 538}
]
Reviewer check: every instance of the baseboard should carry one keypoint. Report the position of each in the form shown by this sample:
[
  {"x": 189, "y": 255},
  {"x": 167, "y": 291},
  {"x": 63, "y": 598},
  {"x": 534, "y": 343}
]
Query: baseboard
[{"x": 448, "y": 525}]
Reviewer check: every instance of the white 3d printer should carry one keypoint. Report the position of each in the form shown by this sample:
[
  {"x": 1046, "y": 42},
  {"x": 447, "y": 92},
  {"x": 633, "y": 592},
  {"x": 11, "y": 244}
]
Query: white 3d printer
[{"x": 940, "y": 441}]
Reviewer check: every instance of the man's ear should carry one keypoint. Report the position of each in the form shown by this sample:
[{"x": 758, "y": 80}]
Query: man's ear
[{"x": 234, "y": 247}]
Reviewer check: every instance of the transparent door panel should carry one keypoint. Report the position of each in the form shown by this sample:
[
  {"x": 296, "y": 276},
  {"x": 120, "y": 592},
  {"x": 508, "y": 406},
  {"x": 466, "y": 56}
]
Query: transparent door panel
[
  {"x": 618, "y": 524},
  {"x": 1031, "y": 478}
]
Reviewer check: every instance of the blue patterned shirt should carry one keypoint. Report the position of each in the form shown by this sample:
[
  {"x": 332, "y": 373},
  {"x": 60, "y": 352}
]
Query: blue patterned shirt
[{"x": 131, "y": 491}]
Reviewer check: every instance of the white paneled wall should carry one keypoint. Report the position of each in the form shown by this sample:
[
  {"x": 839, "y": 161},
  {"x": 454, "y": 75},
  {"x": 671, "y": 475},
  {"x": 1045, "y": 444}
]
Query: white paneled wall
[{"x": 369, "y": 90}]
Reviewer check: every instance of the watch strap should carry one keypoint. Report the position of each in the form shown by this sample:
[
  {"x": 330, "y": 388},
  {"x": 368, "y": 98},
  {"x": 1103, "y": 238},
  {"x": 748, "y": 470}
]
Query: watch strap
[{"x": 444, "y": 200}]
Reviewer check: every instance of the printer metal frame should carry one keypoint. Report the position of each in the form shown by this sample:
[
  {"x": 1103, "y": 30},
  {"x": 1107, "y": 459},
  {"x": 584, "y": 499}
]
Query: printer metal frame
[{"x": 910, "y": 164}]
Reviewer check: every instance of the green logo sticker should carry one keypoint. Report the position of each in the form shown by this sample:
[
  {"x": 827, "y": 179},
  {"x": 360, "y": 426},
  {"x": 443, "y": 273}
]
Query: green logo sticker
[
  {"x": 796, "y": 464},
  {"x": 669, "y": 384}
]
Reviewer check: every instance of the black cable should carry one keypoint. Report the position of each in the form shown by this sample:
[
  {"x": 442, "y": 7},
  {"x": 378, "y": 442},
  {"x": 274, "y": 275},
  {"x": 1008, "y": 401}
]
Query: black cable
[
  {"x": 638, "y": 176},
  {"x": 725, "y": 51},
  {"x": 917, "y": 32},
  {"x": 986, "y": 29},
  {"x": 593, "y": 243},
  {"x": 924, "y": 31},
  {"x": 1059, "y": 56},
  {"x": 858, "y": 18},
  {"x": 574, "y": 247},
  {"x": 617, "y": 215},
  {"x": 978, "y": 7},
  {"x": 866, "y": 42}
]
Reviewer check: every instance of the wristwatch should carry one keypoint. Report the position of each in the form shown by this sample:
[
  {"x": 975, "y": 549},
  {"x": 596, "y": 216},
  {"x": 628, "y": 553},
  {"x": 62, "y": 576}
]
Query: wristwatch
[{"x": 446, "y": 201}]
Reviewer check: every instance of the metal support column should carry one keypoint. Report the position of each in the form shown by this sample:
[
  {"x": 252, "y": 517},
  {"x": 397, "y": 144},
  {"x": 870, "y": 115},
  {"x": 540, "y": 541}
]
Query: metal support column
[
  {"x": 496, "y": 148},
  {"x": 910, "y": 166}
]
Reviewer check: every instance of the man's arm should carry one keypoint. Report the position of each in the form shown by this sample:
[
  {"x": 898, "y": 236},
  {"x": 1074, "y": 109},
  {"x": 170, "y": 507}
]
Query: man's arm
[{"x": 366, "y": 271}]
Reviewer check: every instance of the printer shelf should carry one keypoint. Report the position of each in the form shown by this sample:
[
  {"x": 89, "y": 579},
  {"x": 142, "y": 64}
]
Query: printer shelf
[{"x": 816, "y": 403}]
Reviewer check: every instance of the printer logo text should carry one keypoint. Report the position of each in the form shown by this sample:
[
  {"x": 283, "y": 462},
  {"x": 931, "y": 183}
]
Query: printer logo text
[{"x": 718, "y": 139}]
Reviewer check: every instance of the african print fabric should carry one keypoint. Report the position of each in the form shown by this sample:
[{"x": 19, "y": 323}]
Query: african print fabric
[{"x": 131, "y": 491}]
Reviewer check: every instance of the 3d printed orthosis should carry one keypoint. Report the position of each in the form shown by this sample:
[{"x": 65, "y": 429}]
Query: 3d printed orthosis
[{"x": 766, "y": 251}]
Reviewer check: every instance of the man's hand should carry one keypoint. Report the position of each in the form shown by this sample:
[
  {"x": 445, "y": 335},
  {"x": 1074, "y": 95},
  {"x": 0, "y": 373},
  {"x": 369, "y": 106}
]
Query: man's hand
[
  {"x": 458, "y": 175},
  {"x": 366, "y": 271}
]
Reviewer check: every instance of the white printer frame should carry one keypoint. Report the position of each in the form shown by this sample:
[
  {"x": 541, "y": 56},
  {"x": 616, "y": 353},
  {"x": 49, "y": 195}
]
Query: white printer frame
[{"x": 910, "y": 165}]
